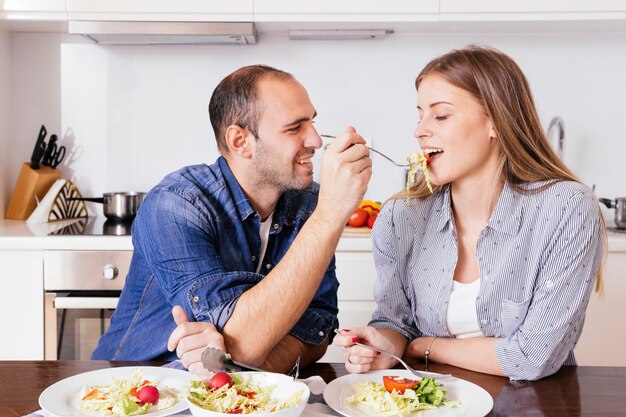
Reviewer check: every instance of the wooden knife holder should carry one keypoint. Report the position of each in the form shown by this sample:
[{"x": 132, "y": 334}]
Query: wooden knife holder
[{"x": 32, "y": 185}]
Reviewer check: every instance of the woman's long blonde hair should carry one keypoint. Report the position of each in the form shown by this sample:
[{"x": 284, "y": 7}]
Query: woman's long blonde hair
[{"x": 499, "y": 85}]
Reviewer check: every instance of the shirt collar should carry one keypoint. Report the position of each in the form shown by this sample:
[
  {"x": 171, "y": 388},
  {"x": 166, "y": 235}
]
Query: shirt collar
[
  {"x": 242, "y": 204},
  {"x": 506, "y": 217}
]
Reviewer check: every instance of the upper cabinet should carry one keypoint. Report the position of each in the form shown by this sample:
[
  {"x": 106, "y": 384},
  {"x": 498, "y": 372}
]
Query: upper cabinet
[
  {"x": 161, "y": 10},
  {"x": 33, "y": 10},
  {"x": 532, "y": 9},
  {"x": 345, "y": 10},
  {"x": 278, "y": 15}
]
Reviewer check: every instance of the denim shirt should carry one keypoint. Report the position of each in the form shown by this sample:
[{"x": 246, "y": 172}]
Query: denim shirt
[{"x": 196, "y": 240}]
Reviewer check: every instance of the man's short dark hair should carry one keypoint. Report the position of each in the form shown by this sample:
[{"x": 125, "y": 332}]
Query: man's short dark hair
[{"x": 234, "y": 101}]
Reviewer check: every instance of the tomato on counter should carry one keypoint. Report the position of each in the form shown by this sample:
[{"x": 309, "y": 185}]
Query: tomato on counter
[{"x": 358, "y": 218}]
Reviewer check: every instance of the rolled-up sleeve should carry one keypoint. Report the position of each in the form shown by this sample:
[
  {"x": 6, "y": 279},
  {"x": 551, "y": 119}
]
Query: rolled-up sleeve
[
  {"x": 177, "y": 240},
  {"x": 556, "y": 313}
]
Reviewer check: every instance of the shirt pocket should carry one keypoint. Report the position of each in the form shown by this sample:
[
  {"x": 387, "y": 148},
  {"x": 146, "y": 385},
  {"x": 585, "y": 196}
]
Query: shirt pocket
[{"x": 513, "y": 315}]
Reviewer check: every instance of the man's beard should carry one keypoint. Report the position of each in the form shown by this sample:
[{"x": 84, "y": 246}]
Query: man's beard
[{"x": 278, "y": 174}]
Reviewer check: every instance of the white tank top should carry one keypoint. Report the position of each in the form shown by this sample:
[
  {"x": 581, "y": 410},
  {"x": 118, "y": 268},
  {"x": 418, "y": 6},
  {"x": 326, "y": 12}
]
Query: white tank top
[
  {"x": 461, "y": 316},
  {"x": 264, "y": 232}
]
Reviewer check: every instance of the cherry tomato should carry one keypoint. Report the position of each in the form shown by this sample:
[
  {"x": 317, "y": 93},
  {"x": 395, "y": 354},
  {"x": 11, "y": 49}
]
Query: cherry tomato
[
  {"x": 371, "y": 219},
  {"x": 358, "y": 218},
  {"x": 219, "y": 380},
  {"x": 148, "y": 394},
  {"x": 398, "y": 383}
]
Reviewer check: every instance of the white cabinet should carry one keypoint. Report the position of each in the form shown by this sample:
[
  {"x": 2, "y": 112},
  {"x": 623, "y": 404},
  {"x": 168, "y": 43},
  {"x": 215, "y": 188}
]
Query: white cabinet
[
  {"x": 160, "y": 10},
  {"x": 603, "y": 341},
  {"x": 356, "y": 274},
  {"x": 532, "y": 9},
  {"x": 33, "y": 10},
  {"x": 346, "y": 10},
  {"x": 21, "y": 309}
]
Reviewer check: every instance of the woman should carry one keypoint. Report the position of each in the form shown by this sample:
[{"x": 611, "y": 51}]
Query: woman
[{"x": 493, "y": 271}]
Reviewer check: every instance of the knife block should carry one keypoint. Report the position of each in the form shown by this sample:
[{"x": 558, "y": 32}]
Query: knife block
[{"x": 32, "y": 185}]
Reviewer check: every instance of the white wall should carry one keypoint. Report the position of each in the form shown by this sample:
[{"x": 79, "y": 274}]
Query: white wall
[
  {"x": 131, "y": 114},
  {"x": 5, "y": 131}
]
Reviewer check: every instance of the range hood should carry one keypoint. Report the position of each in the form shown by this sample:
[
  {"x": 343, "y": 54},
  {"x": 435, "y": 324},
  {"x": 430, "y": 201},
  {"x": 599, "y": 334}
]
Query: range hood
[{"x": 158, "y": 33}]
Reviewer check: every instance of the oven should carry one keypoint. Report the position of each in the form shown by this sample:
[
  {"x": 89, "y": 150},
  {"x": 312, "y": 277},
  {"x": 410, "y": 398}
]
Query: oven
[{"x": 82, "y": 289}]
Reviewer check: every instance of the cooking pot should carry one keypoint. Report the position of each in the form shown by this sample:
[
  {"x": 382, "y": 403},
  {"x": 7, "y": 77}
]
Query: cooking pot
[
  {"x": 120, "y": 207},
  {"x": 619, "y": 204}
]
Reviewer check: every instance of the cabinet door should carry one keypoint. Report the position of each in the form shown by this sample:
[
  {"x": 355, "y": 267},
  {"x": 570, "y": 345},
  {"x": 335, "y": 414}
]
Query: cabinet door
[
  {"x": 603, "y": 341},
  {"x": 531, "y": 6},
  {"x": 21, "y": 309},
  {"x": 353, "y": 10},
  {"x": 46, "y": 10},
  {"x": 356, "y": 274},
  {"x": 161, "y": 10},
  {"x": 33, "y": 5}
]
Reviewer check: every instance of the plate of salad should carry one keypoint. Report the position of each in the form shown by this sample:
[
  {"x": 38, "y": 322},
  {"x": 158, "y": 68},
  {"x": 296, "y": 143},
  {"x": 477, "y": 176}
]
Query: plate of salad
[
  {"x": 258, "y": 393},
  {"x": 395, "y": 392},
  {"x": 124, "y": 391}
]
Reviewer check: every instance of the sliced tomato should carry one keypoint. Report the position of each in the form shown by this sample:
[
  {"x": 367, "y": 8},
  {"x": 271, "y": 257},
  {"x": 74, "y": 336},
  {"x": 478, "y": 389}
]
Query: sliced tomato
[
  {"x": 235, "y": 411},
  {"x": 398, "y": 383},
  {"x": 91, "y": 394}
]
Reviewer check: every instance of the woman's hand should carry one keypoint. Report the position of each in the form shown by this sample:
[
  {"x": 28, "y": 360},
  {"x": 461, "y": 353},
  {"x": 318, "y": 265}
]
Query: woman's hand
[
  {"x": 359, "y": 359},
  {"x": 189, "y": 339}
]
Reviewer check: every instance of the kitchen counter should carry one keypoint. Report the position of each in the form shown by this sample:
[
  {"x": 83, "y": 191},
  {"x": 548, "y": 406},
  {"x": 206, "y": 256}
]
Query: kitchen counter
[
  {"x": 19, "y": 235},
  {"x": 572, "y": 391}
]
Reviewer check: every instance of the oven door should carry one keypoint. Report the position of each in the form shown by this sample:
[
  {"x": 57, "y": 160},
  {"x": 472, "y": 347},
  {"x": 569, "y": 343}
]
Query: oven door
[
  {"x": 82, "y": 290},
  {"x": 74, "y": 323}
]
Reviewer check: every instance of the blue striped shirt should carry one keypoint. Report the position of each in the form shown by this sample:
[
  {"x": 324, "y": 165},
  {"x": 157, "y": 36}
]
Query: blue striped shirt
[{"x": 538, "y": 258}]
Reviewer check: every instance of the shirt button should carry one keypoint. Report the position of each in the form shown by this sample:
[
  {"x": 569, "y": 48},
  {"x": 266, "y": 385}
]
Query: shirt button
[
  {"x": 276, "y": 226},
  {"x": 321, "y": 333},
  {"x": 196, "y": 299},
  {"x": 268, "y": 266},
  {"x": 253, "y": 258}
]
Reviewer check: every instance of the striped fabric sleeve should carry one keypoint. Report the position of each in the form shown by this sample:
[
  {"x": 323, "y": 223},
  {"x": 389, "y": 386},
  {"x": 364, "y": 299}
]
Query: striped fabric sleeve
[
  {"x": 563, "y": 286},
  {"x": 393, "y": 309}
]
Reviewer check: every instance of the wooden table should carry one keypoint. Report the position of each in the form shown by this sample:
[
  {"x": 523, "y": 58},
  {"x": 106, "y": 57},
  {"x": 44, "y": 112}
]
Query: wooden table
[{"x": 573, "y": 391}]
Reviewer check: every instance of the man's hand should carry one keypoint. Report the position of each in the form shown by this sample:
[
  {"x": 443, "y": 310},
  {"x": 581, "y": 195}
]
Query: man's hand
[
  {"x": 346, "y": 170},
  {"x": 189, "y": 339}
]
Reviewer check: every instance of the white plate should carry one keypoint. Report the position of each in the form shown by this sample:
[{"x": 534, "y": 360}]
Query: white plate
[
  {"x": 63, "y": 398},
  {"x": 475, "y": 401}
]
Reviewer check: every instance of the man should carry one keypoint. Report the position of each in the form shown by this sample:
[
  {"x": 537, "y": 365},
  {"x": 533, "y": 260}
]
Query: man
[{"x": 245, "y": 247}]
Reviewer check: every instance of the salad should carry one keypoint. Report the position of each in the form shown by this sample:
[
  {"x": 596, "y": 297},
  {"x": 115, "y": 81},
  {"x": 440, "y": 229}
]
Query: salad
[
  {"x": 399, "y": 396},
  {"x": 127, "y": 397},
  {"x": 417, "y": 160},
  {"x": 237, "y": 394}
]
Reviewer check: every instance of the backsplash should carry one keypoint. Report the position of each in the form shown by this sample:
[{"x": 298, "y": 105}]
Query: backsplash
[{"x": 132, "y": 114}]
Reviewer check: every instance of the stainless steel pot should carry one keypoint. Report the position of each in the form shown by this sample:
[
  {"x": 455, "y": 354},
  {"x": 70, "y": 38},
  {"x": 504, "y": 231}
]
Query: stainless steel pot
[
  {"x": 619, "y": 204},
  {"x": 119, "y": 207}
]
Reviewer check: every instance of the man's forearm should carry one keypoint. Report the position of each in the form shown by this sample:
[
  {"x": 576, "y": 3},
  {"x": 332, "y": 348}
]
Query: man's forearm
[
  {"x": 264, "y": 314},
  {"x": 284, "y": 355}
]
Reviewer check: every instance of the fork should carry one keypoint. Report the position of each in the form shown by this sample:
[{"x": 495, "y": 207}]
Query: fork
[
  {"x": 295, "y": 371},
  {"x": 421, "y": 374},
  {"x": 374, "y": 150}
]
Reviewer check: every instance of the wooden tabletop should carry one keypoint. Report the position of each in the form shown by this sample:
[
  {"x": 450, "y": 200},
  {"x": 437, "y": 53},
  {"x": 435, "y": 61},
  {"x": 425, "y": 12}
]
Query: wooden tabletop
[{"x": 573, "y": 391}]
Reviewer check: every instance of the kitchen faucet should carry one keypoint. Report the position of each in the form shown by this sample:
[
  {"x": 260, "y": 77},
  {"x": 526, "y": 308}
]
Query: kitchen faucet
[{"x": 558, "y": 124}]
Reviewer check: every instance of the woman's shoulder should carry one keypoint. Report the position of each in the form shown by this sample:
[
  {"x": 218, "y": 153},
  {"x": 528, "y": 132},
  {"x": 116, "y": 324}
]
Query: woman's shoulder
[{"x": 559, "y": 195}]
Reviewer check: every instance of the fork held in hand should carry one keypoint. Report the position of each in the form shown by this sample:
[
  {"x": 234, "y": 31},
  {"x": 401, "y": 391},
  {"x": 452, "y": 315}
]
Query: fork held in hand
[
  {"x": 421, "y": 374},
  {"x": 374, "y": 150}
]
